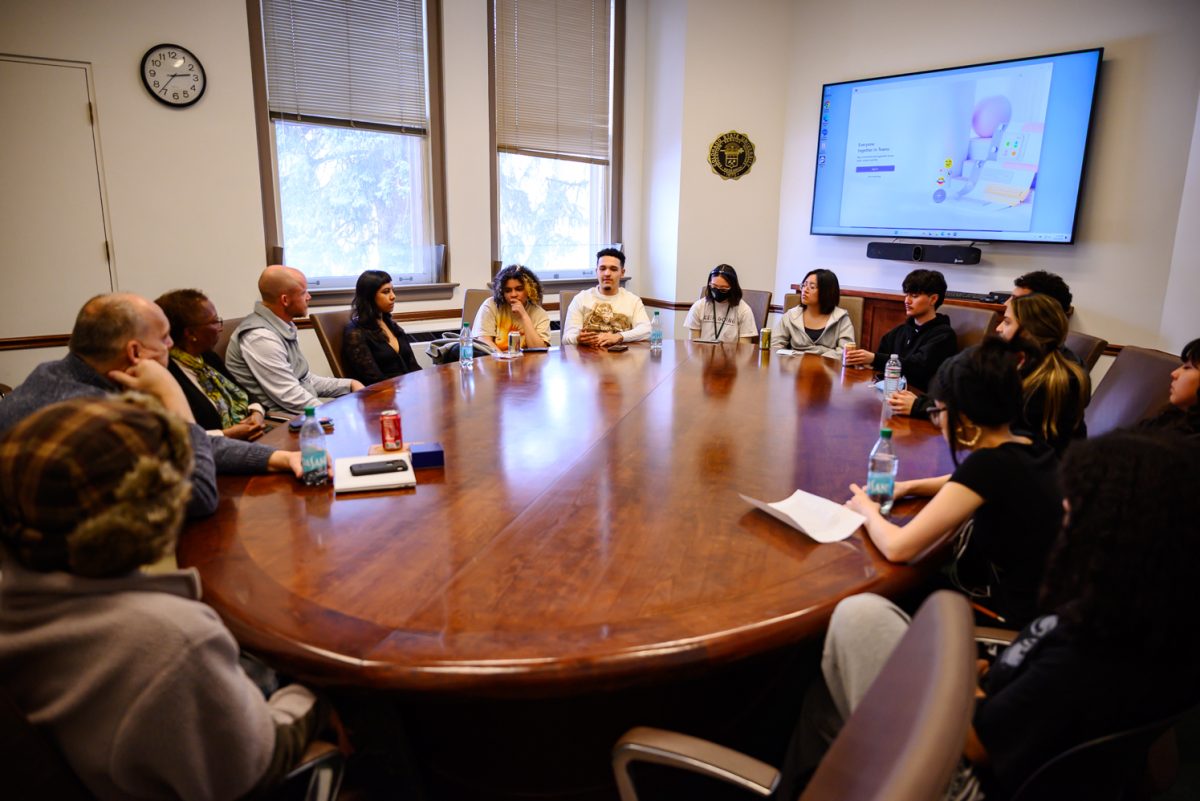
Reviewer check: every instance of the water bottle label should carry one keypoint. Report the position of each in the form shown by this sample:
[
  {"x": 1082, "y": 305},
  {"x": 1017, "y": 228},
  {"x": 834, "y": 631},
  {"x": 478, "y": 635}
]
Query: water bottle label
[
  {"x": 313, "y": 461},
  {"x": 880, "y": 485}
]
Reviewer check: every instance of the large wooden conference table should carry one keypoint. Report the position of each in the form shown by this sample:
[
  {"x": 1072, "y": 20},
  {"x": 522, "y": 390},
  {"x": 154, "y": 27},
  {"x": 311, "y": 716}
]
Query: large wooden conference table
[{"x": 585, "y": 533}]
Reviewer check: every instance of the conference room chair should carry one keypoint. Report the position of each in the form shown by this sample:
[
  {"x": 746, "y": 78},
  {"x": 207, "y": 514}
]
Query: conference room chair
[
  {"x": 759, "y": 301},
  {"x": 902, "y": 743},
  {"x": 330, "y": 327},
  {"x": 472, "y": 300},
  {"x": 564, "y": 302},
  {"x": 852, "y": 305},
  {"x": 4, "y": 390},
  {"x": 971, "y": 325},
  {"x": 1136, "y": 386},
  {"x": 1087, "y": 347},
  {"x": 227, "y": 328},
  {"x": 33, "y": 766}
]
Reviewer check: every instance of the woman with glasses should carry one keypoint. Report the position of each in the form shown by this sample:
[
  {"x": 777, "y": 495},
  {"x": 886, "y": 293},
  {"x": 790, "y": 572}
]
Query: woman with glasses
[
  {"x": 1006, "y": 489},
  {"x": 720, "y": 315},
  {"x": 218, "y": 403},
  {"x": 818, "y": 325}
]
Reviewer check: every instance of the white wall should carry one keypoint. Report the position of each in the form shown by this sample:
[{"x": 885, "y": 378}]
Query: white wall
[
  {"x": 1181, "y": 312},
  {"x": 1123, "y": 263}
]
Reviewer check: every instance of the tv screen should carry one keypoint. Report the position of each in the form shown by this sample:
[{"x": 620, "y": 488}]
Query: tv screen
[{"x": 984, "y": 152}]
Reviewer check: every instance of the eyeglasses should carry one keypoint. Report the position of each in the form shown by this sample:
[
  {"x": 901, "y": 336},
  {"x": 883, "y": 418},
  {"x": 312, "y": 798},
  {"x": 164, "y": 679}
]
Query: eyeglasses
[{"x": 935, "y": 412}]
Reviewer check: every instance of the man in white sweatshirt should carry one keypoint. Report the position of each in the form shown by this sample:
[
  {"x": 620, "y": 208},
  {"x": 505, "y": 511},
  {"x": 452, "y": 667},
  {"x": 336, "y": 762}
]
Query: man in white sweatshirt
[{"x": 606, "y": 315}]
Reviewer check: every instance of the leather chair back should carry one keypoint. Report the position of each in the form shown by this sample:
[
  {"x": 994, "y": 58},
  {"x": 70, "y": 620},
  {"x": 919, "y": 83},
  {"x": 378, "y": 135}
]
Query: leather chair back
[
  {"x": 905, "y": 738},
  {"x": 1088, "y": 348},
  {"x": 971, "y": 325},
  {"x": 227, "y": 328},
  {"x": 759, "y": 301},
  {"x": 331, "y": 328},
  {"x": 1136, "y": 386},
  {"x": 472, "y": 300}
]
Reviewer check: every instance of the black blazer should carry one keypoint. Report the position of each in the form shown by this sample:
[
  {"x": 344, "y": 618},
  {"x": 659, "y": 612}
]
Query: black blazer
[
  {"x": 367, "y": 357},
  {"x": 202, "y": 408}
]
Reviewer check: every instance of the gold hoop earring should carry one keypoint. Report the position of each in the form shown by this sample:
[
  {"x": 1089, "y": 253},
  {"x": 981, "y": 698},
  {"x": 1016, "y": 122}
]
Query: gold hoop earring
[{"x": 968, "y": 443}]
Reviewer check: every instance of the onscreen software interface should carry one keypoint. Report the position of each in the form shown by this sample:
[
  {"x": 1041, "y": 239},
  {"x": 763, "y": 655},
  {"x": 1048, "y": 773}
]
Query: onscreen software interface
[{"x": 987, "y": 152}]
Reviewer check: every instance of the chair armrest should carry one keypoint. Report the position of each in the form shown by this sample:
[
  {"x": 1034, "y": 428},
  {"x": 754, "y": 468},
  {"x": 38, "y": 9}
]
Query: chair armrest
[{"x": 643, "y": 744}]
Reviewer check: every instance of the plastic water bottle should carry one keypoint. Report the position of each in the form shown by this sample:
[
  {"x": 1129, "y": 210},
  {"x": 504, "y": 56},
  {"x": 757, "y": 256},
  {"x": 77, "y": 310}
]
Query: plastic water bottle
[
  {"x": 466, "y": 347},
  {"x": 881, "y": 472},
  {"x": 891, "y": 376},
  {"x": 656, "y": 334},
  {"x": 313, "y": 455}
]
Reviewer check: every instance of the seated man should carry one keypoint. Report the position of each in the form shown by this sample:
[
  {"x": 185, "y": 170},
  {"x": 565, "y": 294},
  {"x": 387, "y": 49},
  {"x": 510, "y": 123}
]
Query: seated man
[
  {"x": 123, "y": 340},
  {"x": 606, "y": 315},
  {"x": 264, "y": 352},
  {"x": 923, "y": 341},
  {"x": 133, "y": 678}
]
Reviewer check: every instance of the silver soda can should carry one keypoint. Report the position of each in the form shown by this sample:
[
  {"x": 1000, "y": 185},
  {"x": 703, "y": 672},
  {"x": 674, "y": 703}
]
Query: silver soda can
[
  {"x": 389, "y": 430},
  {"x": 764, "y": 339},
  {"x": 514, "y": 343}
]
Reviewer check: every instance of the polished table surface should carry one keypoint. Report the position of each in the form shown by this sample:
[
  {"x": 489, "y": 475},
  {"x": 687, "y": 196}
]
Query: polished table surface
[{"x": 585, "y": 532}]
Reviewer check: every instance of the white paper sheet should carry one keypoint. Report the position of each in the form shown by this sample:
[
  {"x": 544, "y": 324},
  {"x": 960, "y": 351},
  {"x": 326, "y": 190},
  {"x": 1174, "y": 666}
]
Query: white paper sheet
[{"x": 821, "y": 519}]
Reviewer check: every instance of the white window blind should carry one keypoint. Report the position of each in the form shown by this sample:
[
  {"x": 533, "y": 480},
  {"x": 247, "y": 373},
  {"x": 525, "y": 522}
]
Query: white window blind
[
  {"x": 552, "y": 66},
  {"x": 358, "y": 61}
]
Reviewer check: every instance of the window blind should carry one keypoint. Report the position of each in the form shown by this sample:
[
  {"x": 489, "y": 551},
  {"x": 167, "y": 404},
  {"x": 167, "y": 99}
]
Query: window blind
[
  {"x": 350, "y": 60},
  {"x": 552, "y": 77}
]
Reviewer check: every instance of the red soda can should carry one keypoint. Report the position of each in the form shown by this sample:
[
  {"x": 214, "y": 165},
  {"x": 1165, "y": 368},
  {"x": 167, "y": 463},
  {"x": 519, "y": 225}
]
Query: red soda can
[{"x": 389, "y": 430}]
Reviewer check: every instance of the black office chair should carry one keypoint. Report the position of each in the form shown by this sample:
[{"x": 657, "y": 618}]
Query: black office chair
[{"x": 1136, "y": 386}]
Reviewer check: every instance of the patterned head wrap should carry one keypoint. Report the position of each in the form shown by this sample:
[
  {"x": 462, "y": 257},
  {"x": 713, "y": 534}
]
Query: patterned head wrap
[{"x": 95, "y": 487}]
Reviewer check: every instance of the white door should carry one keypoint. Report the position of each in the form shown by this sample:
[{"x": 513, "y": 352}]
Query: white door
[{"x": 53, "y": 253}]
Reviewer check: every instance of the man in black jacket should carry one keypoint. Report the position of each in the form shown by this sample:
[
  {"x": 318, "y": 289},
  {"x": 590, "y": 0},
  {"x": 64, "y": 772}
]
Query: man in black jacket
[{"x": 923, "y": 341}]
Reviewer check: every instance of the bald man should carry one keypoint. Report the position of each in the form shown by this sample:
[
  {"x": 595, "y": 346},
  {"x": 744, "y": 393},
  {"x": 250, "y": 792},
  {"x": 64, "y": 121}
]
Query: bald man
[
  {"x": 264, "y": 352},
  {"x": 121, "y": 341}
]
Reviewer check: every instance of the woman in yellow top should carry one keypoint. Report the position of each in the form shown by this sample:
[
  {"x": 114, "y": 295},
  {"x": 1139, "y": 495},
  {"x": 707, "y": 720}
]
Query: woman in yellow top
[{"x": 515, "y": 305}]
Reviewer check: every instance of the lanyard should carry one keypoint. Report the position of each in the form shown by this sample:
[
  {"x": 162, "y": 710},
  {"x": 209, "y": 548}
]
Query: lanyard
[{"x": 717, "y": 331}]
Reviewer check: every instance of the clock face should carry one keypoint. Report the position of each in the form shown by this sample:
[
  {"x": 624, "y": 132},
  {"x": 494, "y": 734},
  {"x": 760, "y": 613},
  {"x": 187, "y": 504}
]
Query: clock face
[{"x": 173, "y": 75}]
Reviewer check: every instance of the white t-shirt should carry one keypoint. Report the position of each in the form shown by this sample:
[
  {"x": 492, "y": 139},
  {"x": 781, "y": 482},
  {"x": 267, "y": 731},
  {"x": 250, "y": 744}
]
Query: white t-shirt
[
  {"x": 621, "y": 313},
  {"x": 717, "y": 321},
  {"x": 489, "y": 324}
]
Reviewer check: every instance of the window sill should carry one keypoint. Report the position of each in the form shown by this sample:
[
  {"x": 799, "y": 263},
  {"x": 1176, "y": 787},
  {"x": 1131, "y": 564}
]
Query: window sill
[{"x": 344, "y": 297}]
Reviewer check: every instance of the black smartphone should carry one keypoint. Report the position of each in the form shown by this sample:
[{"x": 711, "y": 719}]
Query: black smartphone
[
  {"x": 617, "y": 348},
  {"x": 296, "y": 423},
  {"x": 535, "y": 350},
  {"x": 375, "y": 468}
]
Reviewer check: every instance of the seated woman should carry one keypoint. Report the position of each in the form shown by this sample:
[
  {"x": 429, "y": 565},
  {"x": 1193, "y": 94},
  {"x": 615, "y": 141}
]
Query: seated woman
[
  {"x": 218, "y": 403},
  {"x": 721, "y": 315},
  {"x": 515, "y": 305},
  {"x": 1056, "y": 389},
  {"x": 373, "y": 346},
  {"x": 1116, "y": 649},
  {"x": 1182, "y": 415},
  {"x": 133, "y": 678},
  {"x": 1007, "y": 486},
  {"x": 818, "y": 325}
]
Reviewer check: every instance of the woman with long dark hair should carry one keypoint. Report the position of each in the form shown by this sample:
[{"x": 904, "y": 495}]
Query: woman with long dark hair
[
  {"x": 515, "y": 305},
  {"x": 720, "y": 315},
  {"x": 374, "y": 347},
  {"x": 1114, "y": 650},
  {"x": 1182, "y": 415},
  {"x": 1007, "y": 487},
  {"x": 818, "y": 325},
  {"x": 1055, "y": 388}
]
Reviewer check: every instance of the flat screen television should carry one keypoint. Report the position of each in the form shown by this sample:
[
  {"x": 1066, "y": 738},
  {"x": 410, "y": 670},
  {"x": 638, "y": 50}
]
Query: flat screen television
[{"x": 985, "y": 152}]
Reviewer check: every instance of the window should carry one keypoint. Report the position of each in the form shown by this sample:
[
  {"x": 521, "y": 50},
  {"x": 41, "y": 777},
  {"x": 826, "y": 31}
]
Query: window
[
  {"x": 348, "y": 101},
  {"x": 552, "y": 92}
]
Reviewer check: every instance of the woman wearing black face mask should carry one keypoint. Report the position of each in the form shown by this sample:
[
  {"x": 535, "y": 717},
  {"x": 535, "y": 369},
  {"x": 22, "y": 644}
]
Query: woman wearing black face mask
[
  {"x": 721, "y": 315},
  {"x": 818, "y": 325}
]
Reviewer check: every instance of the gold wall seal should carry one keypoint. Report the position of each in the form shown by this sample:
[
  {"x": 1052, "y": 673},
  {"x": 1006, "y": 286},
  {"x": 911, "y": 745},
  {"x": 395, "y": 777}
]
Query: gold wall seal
[{"x": 731, "y": 155}]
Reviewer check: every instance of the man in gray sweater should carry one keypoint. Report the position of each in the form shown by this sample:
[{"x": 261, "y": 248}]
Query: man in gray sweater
[{"x": 121, "y": 341}]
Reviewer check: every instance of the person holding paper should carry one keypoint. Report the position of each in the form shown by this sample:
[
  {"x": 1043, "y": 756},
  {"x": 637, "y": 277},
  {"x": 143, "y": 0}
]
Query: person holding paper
[
  {"x": 720, "y": 315},
  {"x": 1098, "y": 660},
  {"x": 818, "y": 325},
  {"x": 1005, "y": 491}
]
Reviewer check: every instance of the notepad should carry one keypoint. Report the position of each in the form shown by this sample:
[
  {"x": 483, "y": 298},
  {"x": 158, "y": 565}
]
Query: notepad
[
  {"x": 344, "y": 482},
  {"x": 820, "y": 518}
]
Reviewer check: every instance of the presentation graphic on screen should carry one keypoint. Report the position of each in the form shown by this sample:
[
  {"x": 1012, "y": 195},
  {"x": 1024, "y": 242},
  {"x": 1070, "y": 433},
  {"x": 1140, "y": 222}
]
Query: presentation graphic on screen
[{"x": 988, "y": 152}]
